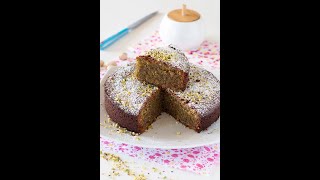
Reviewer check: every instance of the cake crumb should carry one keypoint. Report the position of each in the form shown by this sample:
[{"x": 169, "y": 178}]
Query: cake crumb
[{"x": 178, "y": 133}]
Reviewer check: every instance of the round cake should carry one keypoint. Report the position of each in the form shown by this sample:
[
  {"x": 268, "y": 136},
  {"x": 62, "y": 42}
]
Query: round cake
[{"x": 135, "y": 105}]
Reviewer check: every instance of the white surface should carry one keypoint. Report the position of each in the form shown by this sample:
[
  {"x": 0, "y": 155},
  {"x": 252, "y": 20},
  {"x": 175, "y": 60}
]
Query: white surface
[
  {"x": 164, "y": 132},
  {"x": 117, "y": 14},
  {"x": 185, "y": 35}
]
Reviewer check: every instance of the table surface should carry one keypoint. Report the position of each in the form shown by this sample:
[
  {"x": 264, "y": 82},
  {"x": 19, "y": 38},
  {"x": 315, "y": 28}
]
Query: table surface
[{"x": 117, "y": 14}]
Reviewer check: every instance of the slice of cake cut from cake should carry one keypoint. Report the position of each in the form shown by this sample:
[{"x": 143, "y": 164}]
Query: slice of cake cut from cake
[
  {"x": 198, "y": 106},
  {"x": 132, "y": 104},
  {"x": 165, "y": 67}
]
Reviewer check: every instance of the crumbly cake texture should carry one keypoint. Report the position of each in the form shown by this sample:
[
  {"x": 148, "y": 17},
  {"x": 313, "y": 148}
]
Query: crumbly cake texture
[
  {"x": 202, "y": 92},
  {"x": 198, "y": 106},
  {"x": 135, "y": 105},
  {"x": 131, "y": 103},
  {"x": 165, "y": 67}
]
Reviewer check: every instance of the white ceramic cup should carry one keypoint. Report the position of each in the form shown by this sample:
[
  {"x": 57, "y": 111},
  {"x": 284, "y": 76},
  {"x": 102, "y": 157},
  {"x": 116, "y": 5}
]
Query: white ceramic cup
[{"x": 185, "y": 35}]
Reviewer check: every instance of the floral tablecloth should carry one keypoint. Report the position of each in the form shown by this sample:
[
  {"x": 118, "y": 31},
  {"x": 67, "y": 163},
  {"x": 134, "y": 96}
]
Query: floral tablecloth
[{"x": 199, "y": 160}]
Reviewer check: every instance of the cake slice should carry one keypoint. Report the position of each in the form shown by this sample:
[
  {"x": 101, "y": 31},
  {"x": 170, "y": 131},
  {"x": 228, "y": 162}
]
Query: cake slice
[
  {"x": 132, "y": 104},
  {"x": 199, "y": 105},
  {"x": 165, "y": 67}
]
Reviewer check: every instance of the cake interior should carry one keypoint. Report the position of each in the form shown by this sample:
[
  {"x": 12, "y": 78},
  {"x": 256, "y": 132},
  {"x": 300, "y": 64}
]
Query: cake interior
[
  {"x": 159, "y": 74},
  {"x": 180, "y": 111},
  {"x": 150, "y": 111}
]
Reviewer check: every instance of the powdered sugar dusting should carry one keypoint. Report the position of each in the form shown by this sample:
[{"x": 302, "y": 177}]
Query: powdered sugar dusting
[
  {"x": 202, "y": 92},
  {"x": 126, "y": 91},
  {"x": 172, "y": 56}
]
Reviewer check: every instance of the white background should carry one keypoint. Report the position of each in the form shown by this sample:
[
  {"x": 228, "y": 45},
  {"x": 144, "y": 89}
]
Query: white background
[{"x": 118, "y": 14}]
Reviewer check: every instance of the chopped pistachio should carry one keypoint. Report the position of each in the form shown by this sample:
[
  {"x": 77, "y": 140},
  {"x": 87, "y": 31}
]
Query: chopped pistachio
[{"x": 154, "y": 169}]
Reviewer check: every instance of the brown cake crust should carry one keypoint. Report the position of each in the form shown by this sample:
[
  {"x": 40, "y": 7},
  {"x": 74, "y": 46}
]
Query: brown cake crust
[
  {"x": 118, "y": 115},
  {"x": 126, "y": 98},
  {"x": 130, "y": 122},
  {"x": 207, "y": 120}
]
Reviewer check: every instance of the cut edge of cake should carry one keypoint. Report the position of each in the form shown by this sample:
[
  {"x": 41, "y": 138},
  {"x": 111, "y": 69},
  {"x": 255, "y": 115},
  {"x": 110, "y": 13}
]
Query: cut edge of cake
[
  {"x": 160, "y": 74},
  {"x": 166, "y": 67}
]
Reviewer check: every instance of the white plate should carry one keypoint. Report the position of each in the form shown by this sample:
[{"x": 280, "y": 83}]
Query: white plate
[{"x": 163, "y": 133}]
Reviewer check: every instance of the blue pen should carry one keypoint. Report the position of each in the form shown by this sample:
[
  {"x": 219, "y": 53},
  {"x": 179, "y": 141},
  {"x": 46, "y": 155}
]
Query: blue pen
[{"x": 104, "y": 44}]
